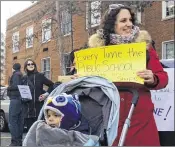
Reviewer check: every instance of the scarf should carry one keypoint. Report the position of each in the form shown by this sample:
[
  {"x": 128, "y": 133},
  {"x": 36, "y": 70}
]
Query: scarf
[{"x": 118, "y": 39}]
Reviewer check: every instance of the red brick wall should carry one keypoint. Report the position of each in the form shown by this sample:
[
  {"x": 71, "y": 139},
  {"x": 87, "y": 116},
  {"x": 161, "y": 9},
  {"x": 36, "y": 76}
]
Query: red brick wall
[{"x": 160, "y": 30}]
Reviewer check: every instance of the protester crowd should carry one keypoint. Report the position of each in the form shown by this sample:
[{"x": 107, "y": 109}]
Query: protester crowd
[{"x": 117, "y": 27}]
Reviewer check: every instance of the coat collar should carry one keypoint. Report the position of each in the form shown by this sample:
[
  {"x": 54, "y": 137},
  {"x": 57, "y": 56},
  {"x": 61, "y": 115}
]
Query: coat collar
[{"x": 96, "y": 40}]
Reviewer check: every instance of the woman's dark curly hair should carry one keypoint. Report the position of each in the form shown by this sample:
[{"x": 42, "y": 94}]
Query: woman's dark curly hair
[
  {"x": 108, "y": 21},
  {"x": 25, "y": 66}
]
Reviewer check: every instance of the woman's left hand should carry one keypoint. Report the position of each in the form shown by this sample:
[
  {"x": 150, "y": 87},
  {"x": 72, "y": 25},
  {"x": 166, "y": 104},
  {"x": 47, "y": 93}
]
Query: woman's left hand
[
  {"x": 147, "y": 75},
  {"x": 43, "y": 96}
]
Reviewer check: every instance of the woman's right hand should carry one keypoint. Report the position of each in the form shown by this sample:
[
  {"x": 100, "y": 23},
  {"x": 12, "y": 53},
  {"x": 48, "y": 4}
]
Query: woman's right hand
[{"x": 75, "y": 76}]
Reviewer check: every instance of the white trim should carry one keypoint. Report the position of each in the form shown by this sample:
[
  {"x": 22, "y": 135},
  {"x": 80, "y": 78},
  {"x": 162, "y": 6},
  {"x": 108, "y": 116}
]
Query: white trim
[
  {"x": 139, "y": 17},
  {"x": 50, "y": 66},
  {"x": 164, "y": 17},
  {"x": 168, "y": 17},
  {"x": 163, "y": 46},
  {"x": 67, "y": 34}
]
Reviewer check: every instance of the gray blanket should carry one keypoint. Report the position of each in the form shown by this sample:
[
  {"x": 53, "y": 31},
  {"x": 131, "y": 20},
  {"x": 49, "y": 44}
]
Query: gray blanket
[{"x": 40, "y": 134}]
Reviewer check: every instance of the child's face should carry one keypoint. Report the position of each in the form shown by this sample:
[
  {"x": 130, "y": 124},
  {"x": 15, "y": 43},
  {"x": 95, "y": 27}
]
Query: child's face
[{"x": 53, "y": 119}]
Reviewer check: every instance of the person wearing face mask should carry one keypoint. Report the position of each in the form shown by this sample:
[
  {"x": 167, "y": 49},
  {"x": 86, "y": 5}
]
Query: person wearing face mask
[
  {"x": 35, "y": 81},
  {"x": 118, "y": 27}
]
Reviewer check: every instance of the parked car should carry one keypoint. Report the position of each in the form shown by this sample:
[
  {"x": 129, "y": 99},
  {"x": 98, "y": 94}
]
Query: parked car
[
  {"x": 2, "y": 90},
  {"x": 167, "y": 63},
  {"x": 4, "y": 109}
]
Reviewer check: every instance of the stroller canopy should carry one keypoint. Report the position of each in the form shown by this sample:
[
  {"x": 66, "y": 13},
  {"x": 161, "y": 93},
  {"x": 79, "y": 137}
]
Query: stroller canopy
[{"x": 100, "y": 103}]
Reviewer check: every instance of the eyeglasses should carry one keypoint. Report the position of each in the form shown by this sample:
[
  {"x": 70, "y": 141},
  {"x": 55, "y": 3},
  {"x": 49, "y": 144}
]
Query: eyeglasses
[{"x": 30, "y": 64}]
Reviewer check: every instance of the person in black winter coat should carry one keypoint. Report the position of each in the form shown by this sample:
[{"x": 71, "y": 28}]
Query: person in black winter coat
[
  {"x": 17, "y": 108},
  {"x": 73, "y": 70},
  {"x": 36, "y": 82}
]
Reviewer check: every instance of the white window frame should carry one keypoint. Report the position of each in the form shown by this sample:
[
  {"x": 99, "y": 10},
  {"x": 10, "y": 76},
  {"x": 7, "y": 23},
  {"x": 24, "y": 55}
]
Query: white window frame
[
  {"x": 98, "y": 12},
  {"x": 15, "y": 42},
  {"x": 66, "y": 22},
  {"x": 42, "y": 69},
  {"x": 164, "y": 49},
  {"x": 29, "y": 36},
  {"x": 46, "y": 31},
  {"x": 164, "y": 17},
  {"x": 66, "y": 58},
  {"x": 139, "y": 17}
]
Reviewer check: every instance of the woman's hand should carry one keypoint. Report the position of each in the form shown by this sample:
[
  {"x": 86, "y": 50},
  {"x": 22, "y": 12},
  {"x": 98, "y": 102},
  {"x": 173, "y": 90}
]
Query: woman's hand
[
  {"x": 147, "y": 75},
  {"x": 43, "y": 96},
  {"x": 75, "y": 76}
]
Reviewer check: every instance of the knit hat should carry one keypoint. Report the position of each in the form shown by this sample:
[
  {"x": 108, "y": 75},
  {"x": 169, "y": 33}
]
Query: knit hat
[
  {"x": 68, "y": 106},
  {"x": 16, "y": 66}
]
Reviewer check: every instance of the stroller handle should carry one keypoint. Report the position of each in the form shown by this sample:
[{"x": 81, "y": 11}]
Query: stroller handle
[{"x": 133, "y": 91}]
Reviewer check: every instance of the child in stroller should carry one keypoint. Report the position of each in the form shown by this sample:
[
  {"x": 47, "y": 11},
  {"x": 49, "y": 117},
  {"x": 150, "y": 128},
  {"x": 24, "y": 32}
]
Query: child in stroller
[{"x": 62, "y": 117}]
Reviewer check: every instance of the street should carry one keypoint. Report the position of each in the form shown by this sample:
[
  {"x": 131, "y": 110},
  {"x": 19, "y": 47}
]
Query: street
[{"x": 5, "y": 138}]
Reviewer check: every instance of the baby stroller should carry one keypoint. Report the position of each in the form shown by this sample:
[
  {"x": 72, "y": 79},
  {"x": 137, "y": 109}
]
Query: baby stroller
[{"x": 100, "y": 104}]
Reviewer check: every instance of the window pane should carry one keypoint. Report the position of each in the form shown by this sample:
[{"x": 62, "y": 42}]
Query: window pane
[
  {"x": 29, "y": 37},
  {"x": 46, "y": 30},
  {"x": 95, "y": 13},
  {"x": 46, "y": 67},
  {"x": 169, "y": 8},
  {"x": 65, "y": 22},
  {"x": 168, "y": 50},
  {"x": 15, "y": 40}
]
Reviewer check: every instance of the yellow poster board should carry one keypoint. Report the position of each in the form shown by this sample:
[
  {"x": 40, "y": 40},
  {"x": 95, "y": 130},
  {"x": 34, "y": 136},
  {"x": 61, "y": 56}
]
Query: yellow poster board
[{"x": 117, "y": 63}]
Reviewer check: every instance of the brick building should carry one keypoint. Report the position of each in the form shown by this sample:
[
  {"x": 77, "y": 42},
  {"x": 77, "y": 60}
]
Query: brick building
[
  {"x": 34, "y": 33},
  {"x": 158, "y": 20},
  {"x": 2, "y": 57}
]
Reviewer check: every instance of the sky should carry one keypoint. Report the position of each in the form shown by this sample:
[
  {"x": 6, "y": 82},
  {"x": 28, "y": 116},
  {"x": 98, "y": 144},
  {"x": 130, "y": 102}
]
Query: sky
[{"x": 10, "y": 8}]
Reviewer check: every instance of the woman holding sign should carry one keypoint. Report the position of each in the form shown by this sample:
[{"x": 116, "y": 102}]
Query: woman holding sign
[
  {"x": 36, "y": 81},
  {"x": 118, "y": 27}
]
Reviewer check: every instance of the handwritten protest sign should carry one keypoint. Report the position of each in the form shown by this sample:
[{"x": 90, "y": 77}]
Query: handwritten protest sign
[
  {"x": 118, "y": 63},
  {"x": 25, "y": 91},
  {"x": 64, "y": 78},
  {"x": 163, "y": 100}
]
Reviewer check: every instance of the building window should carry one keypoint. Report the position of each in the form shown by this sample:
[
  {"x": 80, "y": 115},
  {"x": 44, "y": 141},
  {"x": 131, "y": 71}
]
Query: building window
[
  {"x": 167, "y": 9},
  {"x": 95, "y": 13},
  {"x": 45, "y": 67},
  {"x": 29, "y": 37},
  {"x": 65, "y": 22},
  {"x": 168, "y": 49},
  {"x": 66, "y": 63},
  {"x": 15, "y": 41},
  {"x": 139, "y": 17},
  {"x": 46, "y": 30},
  {"x": 2, "y": 44}
]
